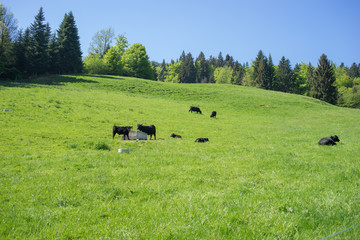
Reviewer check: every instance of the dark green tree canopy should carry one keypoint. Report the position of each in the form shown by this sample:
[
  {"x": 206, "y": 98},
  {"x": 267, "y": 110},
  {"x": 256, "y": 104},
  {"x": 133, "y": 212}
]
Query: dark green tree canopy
[
  {"x": 68, "y": 44},
  {"x": 324, "y": 79}
]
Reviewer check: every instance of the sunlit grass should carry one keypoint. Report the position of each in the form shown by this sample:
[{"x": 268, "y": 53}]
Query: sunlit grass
[{"x": 261, "y": 176}]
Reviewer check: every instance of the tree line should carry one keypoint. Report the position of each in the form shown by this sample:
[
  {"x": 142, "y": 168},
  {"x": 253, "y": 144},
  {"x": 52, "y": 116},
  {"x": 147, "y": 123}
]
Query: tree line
[{"x": 38, "y": 51}]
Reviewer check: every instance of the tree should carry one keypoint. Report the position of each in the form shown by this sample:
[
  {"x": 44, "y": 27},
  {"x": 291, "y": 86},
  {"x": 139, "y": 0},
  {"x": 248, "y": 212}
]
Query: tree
[
  {"x": 220, "y": 60},
  {"x": 7, "y": 33},
  {"x": 223, "y": 74},
  {"x": 202, "y": 69},
  {"x": 68, "y": 44},
  {"x": 173, "y": 72},
  {"x": 284, "y": 76},
  {"x": 40, "y": 34},
  {"x": 187, "y": 71},
  {"x": 261, "y": 76},
  {"x": 324, "y": 79},
  {"x": 353, "y": 71},
  {"x": 238, "y": 74},
  {"x": 101, "y": 42},
  {"x": 162, "y": 71},
  {"x": 136, "y": 62},
  {"x": 113, "y": 57},
  {"x": 270, "y": 74}
]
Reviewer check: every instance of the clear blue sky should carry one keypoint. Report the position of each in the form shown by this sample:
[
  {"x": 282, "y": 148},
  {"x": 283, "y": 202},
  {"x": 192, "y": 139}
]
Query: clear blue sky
[{"x": 299, "y": 30}]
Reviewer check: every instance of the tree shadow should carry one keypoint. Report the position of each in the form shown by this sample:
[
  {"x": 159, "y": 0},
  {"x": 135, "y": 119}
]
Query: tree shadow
[{"x": 45, "y": 80}]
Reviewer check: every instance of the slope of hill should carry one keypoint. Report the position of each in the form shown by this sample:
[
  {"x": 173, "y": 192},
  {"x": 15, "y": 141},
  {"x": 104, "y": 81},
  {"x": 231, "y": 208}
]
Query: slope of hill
[{"x": 261, "y": 176}]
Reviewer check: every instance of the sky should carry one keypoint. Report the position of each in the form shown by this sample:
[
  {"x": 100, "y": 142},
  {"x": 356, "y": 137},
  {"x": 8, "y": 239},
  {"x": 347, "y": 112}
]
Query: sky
[{"x": 300, "y": 30}]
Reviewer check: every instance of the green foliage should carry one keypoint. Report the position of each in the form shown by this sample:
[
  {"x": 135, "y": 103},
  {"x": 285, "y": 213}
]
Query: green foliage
[
  {"x": 136, "y": 62},
  {"x": 173, "y": 72},
  {"x": 324, "y": 80},
  {"x": 284, "y": 80},
  {"x": 261, "y": 176},
  {"x": 69, "y": 52},
  {"x": 223, "y": 74},
  {"x": 113, "y": 57},
  {"x": 93, "y": 64},
  {"x": 101, "y": 42},
  {"x": 187, "y": 72}
]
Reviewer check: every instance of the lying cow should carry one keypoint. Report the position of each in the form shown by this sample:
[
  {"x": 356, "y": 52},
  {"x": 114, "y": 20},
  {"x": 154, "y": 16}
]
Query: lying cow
[
  {"x": 195, "y": 109},
  {"x": 121, "y": 130},
  {"x": 329, "y": 140},
  {"x": 175, "y": 135},
  {"x": 213, "y": 114},
  {"x": 148, "y": 129},
  {"x": 202, "y": 140}
]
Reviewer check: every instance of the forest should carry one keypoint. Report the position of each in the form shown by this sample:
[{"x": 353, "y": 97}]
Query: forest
[{"x": 37, "y": 50}]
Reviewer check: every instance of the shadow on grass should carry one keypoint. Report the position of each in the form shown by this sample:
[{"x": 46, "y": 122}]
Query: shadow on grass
[{"x": 47, "y": 80}]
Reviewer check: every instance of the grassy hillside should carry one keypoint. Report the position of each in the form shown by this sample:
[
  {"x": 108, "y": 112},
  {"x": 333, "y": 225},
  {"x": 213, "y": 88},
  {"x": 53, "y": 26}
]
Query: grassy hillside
[{"x": 261, "y": 176}]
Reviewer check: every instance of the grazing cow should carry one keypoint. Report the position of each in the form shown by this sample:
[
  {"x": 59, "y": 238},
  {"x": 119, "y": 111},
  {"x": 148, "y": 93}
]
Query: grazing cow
[
  {"x": 329, "y": 140},
  {"x": 213, "y": 114},
  {"x": 175, "y": 135},
  {"x": 195, "y": 109},
  {"x": 121, "y": 130},
  {"x": 148, "y": 129},
  {"x": 202, "y": 140}
]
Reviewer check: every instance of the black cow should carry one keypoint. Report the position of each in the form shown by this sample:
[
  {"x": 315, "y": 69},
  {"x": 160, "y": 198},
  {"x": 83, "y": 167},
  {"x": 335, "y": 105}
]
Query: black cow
[
  {"x": 329, "y": 140},
  {"x": 121, "y": 130},
  {"x": 213, "y": 114},
  {"x": 202, "y": 140},
  {"x": 175, "y": 135},
  {"x": 148, "y": 129},
  {"x": 195, "y": 109}
]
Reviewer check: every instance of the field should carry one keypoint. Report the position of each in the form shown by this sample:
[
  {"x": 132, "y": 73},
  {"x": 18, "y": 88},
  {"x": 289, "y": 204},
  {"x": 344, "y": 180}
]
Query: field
[{"x": 261, "y": 176}]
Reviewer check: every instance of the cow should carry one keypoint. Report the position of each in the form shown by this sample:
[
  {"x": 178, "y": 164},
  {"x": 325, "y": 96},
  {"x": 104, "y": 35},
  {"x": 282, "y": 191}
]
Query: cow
[
  {"x": 213, "y": 114},
  {"x": 329, "y": 140},
  {"x": 121, "y": 130},
  {"x": 175, "y": 135},
  {"x": 202, "y": 140},
  {"x": 195, "y": 109},
  {"x": 148, "y": 129}
]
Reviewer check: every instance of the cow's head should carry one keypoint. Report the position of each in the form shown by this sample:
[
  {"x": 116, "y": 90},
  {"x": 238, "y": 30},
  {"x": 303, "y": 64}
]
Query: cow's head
[{"x": 335, "y": 138}]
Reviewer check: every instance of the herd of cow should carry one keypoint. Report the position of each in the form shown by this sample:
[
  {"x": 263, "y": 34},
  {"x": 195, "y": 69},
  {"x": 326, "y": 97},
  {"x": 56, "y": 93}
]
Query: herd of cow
[{"x": 151, "y": 130}]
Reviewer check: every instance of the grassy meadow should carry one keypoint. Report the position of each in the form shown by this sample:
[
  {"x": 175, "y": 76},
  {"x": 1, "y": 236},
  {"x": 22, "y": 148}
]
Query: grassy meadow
[{"x": 261, "y": 176}]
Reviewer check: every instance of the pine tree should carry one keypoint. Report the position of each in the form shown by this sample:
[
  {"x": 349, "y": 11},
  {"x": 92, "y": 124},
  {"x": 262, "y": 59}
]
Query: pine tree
[
  {"x": 69, "y": 52},
  {"x": 202, "y": 69},
  {"x": 353, "y": 71},
  {"x": 270, "y": 73},
  {"x": 187, "y": 71},
  {"x": 262, "y": 81},
  {"x": 324, "y": 79},
  {"x": 163, "y": 72},
  {"x": 284, "y": 77},
  {"x": 238, "y": 74},
  {"x": 40, "y": 34},
  {"x": 220, "y": 60},
  {"x": 261, "y": 78}
]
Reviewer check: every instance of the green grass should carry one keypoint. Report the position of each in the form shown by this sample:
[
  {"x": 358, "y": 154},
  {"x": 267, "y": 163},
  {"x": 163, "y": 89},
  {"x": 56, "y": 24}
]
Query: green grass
[{"x": 261, "y": 176}]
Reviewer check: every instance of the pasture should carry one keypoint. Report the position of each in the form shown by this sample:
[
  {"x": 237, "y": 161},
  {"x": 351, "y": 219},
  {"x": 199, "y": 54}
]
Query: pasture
[{"x": 262, "y": 174}]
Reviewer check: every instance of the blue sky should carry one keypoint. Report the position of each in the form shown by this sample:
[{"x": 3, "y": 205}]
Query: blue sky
[{"x": 299, "y": 30}]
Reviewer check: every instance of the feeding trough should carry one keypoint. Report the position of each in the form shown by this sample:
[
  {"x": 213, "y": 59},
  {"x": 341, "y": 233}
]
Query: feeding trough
[
  {"x": 136, "y": 135},
  {"x": 123, "y": 150}
]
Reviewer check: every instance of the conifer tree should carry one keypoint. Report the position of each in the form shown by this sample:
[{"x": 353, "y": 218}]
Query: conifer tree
[
  {"x": 68, "y": 42},
  {"x": 187, "y": 71},
  {"x": 202, "y": 69},
  {"x": 284, "y": 76},
  {"x": 220, "y": 60},
  {"x": 324, "y": 79},
  {"x": 163, "y": 72},
  {"x": 40, "y": 34},
  {"x": 261, "y": 78},
  {"x": 270, "y": 73}
]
